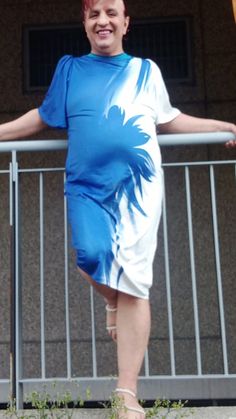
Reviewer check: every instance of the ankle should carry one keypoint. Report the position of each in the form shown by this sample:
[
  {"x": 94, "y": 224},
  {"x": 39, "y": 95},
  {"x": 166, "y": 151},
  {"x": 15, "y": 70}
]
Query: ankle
[
  {"x": 127, "y": 379},
  {"x": 126, "y": 404},
  {"x": 126, "y": 388},
  {"x": 125, "y": 391}
]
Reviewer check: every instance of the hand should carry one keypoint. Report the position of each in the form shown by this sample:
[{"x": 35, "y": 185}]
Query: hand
[{"x": 232, "y": 143}]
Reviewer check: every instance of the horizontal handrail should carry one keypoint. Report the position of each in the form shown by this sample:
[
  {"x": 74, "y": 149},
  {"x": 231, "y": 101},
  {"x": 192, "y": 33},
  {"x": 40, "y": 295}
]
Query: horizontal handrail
[{"x": 163, "y": 139}]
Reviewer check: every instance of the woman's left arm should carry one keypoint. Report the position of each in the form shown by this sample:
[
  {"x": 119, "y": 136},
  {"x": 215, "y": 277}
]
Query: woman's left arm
[{"x": 186, "y": 124}]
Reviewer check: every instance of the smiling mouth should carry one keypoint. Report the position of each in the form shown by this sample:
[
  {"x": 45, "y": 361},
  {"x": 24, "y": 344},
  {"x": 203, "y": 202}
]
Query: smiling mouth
[{"x": 104, "y": 32}]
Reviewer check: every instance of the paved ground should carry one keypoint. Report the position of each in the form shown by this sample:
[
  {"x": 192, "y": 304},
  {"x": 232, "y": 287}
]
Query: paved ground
[{"x": 195, "y": 413}]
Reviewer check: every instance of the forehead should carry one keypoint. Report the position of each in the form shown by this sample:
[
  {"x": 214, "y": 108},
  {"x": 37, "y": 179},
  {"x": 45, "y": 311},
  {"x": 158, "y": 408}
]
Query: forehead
[{"x": 107, "y": 4}]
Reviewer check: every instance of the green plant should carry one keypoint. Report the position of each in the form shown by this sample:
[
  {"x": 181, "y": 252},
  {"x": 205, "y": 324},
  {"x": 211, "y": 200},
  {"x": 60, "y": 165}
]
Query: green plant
[
  {"x": 116, "y": 405},
  {"x": 54, "y": 404},
  {"x": 49, "y": 404},
  {"x": 162, "y": 409}
]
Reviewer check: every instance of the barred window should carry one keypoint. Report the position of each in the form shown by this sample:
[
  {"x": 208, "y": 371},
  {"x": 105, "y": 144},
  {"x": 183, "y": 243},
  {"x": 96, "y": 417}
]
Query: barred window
[
  {"x": 168, "y": 43},
  {"x": 165, "y": 41}
]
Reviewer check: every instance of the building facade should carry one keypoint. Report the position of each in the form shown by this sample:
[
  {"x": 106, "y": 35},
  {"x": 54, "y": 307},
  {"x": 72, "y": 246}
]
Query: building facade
[{"x": 207, "y": 89}]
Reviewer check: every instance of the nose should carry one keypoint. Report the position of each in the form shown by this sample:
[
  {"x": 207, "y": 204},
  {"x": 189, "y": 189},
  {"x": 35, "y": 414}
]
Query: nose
[{"x": 102, "y": 19}]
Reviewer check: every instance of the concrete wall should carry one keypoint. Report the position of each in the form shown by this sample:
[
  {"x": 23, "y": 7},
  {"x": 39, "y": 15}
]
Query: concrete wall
[{"x": 213, "y": 94}]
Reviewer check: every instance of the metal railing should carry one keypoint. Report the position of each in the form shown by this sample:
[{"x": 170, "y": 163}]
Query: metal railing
[{"x": 173, "y": 382}]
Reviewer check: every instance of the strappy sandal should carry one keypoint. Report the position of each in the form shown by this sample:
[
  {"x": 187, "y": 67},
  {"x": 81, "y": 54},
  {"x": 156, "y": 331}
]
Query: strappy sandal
[
  {"x": 111, "y": 309},
  {"x": 130, "y": 408}
]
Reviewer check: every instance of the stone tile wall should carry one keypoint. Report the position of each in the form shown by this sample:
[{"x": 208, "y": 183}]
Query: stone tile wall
[{"x": 213, "y": 94}]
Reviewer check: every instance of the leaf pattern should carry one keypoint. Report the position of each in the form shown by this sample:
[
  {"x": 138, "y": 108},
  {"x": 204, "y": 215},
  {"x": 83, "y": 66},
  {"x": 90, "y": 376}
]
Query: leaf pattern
[{"x": 137, "y": 160}]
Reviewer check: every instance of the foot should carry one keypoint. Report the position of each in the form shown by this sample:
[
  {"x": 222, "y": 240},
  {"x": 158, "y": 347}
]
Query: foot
[
  {"x": 127, "y": 405},
  {"x": 111, "y": 311}
]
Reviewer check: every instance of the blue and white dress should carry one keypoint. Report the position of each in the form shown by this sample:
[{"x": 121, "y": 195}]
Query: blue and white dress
[{"x": 111, "y": 107}]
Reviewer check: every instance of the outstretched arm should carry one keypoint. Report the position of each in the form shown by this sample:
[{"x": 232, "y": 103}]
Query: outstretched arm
[
  {"x": 28, "y": 124},
  {"x": 186, "y": 124}
]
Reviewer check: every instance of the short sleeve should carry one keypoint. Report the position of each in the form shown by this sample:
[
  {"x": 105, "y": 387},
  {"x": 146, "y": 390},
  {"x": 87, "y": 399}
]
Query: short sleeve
[
  {"x": 165, "y": 112},
  {"x": 53, "y": 109}
]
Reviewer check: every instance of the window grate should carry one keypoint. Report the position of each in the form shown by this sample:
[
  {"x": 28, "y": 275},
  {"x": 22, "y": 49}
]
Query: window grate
[
  {"x": 167, "y": 42},
  {"x": 44, "y": 47}
]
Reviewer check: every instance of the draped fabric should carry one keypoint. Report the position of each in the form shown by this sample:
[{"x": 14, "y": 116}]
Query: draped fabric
[{"x": 111, "y": 107}]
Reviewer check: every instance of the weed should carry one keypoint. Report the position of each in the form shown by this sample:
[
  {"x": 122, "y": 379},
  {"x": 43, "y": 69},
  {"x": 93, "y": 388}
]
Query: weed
[
  {"x": 52, "y": 404},
  {"x": 48, "y": 404},
  {"x": 162, "y": 409}
]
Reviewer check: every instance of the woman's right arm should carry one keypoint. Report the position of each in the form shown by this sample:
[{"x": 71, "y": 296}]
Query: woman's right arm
[{"x": 28, "y": 124}]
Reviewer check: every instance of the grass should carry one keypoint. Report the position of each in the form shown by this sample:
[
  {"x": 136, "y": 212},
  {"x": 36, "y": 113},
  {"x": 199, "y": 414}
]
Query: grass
[{"x": 54, "y": 404}]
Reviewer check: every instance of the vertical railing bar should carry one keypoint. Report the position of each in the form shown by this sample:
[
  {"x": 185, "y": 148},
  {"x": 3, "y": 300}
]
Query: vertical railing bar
[
  {"x": 218, "y": 270},
  {"x": 10, "y": 195},
  {"x": 12, "y": 288},
  {"x": 42, "y": 299},
  {"x": 94, "y": 355},
  {"x": 18, "y": 306},
  {"x": 146, "y": 364},
  {"x": 193, "y": 271},
  {"x": 168, "y": 286},
  {"x": 67, "y": 309}
]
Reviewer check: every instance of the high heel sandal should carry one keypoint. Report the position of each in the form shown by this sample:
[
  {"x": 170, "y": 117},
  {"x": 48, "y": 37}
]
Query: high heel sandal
[
  {"x": 111, "y": 309},
  {"x": 127, "y": 407}
]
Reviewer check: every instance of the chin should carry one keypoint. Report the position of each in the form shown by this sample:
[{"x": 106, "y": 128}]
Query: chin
[{"x": 104, "y": 49}]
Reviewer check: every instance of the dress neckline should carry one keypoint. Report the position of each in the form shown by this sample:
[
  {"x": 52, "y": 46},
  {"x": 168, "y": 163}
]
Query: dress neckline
[{"x": 111, "y": 58}]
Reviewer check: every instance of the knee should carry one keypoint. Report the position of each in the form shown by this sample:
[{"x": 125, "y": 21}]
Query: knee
[{"x": 131, "y": 300}]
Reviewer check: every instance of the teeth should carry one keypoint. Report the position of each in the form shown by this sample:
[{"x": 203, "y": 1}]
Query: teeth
[{"x": 104, "y": 32}]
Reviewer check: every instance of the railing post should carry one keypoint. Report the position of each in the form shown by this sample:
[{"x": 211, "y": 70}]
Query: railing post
[
  {"x": 16, "y": 389},
  {"x": 218, "y": 272},
  {"x": 12, "y": 286}
]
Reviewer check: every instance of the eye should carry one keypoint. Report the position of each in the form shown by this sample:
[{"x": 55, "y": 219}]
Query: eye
[
  {"x": 112, "y": 13},
  {"x": 93, "y": 14}
]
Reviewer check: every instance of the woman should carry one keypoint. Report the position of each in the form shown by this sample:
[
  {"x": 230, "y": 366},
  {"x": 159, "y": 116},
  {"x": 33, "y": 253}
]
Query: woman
[{"x": 111, "y": 104}]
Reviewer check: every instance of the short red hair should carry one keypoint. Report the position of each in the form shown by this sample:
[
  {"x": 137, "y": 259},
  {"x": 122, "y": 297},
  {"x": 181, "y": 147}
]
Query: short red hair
[{"x": 86, "y": 4}]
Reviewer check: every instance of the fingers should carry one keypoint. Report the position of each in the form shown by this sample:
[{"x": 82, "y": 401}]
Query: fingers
[{"x": 231, "y": 144}]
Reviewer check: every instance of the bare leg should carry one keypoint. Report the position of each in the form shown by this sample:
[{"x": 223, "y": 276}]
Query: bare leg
[
  {"x": 133, "y": 329},
  {"x": 108, "y": 293},
  {"x": 110, "y": 297}
]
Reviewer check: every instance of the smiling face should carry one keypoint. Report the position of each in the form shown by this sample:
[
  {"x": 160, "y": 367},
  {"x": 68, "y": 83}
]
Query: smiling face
[{"x": 105, "y": 25}]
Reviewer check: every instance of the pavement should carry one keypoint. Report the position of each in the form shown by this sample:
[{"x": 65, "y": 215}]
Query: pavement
[{"x": 191, "y": 413}]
